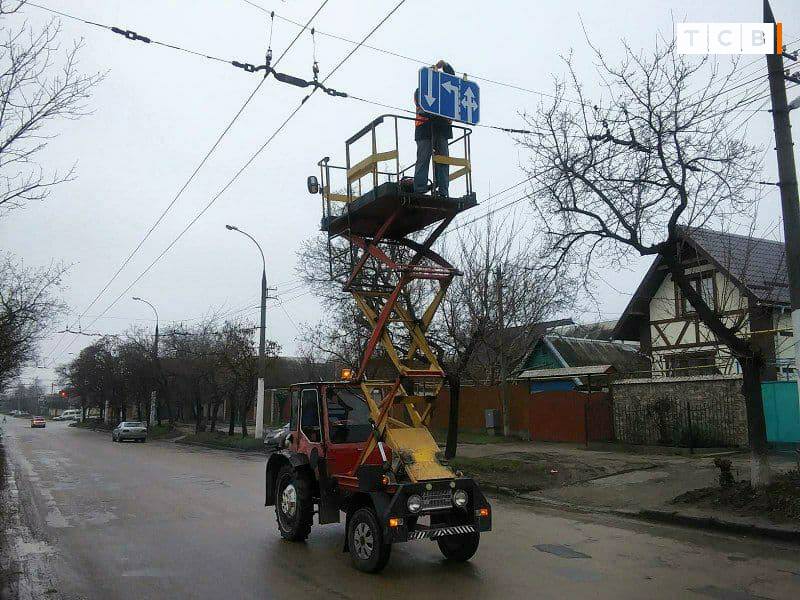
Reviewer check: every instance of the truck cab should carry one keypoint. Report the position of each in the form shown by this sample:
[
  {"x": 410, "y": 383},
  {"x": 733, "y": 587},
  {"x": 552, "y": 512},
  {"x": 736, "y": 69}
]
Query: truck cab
[{"x": 336, "y": 463}]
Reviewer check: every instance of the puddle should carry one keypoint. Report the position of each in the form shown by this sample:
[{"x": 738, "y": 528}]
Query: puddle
[{"x": 561, "y": 551}]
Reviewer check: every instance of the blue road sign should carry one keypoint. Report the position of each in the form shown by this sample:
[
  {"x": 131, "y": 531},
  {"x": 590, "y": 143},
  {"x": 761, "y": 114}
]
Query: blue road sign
[{"x": 449, "y": 96}]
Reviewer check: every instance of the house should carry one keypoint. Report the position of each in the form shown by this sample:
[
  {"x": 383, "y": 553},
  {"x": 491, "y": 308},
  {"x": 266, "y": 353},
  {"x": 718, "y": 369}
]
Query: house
[
  {"x": 575, "y": 346},
  {"x": 513, "y": 343},
  {"x": 743, "y": 278}
]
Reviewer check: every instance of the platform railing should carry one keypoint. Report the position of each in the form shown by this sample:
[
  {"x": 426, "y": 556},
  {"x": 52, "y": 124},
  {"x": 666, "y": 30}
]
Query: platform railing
[{"x": 358, "y": 167}]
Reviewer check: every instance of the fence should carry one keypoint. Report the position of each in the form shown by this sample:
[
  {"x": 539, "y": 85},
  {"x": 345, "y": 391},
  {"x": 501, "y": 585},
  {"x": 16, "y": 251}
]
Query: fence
[{"x": 682, "y": 424}]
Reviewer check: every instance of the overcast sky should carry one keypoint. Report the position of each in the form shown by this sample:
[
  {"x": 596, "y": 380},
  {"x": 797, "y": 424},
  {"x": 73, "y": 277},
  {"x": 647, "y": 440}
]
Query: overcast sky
[{"x": 159, "y": 111}]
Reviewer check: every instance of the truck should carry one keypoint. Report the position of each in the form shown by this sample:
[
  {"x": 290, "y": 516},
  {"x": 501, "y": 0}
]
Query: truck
[
  {"x": 359, "y": 447},
  {"x": 317, "y": 472}
]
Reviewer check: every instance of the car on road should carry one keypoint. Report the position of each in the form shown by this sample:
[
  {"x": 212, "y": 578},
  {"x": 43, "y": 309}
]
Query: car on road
[
  {"x": 38, "y": 422},
  {"x": 129, "y": 430}
]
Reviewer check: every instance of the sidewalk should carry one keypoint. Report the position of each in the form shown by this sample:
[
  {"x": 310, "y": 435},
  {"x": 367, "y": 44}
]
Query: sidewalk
[{"x": 631, "y": 485}]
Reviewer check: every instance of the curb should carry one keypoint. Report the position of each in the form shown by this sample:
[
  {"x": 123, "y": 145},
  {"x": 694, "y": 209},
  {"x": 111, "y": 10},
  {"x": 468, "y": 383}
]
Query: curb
[
  {"x": 218, "y": 447},
  {"x": 714, "y": 524},
  {"x": 706, "y": 523}
]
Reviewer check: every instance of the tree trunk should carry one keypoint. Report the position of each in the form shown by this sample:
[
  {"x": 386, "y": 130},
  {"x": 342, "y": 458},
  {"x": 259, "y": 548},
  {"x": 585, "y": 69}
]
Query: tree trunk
[
  {"x": 751, "y": 361},
  {"x": 243, "y": 418},
  {"x": 760, "y": 472},
  {"x": 506, "y": 394},
  {"x": 454, "y": 381},
  {"x": 232, "y": 417}
]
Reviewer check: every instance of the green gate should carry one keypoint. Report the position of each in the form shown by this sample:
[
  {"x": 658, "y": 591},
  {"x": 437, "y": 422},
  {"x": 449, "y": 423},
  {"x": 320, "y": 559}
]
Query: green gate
[{"x": 781, "y": 411}]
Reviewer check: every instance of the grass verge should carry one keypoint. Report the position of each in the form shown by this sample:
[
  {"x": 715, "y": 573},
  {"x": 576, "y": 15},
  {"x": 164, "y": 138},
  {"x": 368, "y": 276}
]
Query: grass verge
[{"x": 223, "y": 441}]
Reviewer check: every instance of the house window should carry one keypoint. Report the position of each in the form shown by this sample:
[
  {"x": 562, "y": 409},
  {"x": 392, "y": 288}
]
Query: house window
[
  {"x": 703, "y": 285},
  {"x": 687, "y": 364}
]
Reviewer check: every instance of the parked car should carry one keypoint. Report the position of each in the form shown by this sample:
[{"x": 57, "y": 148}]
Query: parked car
[
  {"x": 130, "y": 430},
  {"x": 71, "y": 414},
  {"x": 38, "y": 422},
  {"x": 274, "y": 438}
]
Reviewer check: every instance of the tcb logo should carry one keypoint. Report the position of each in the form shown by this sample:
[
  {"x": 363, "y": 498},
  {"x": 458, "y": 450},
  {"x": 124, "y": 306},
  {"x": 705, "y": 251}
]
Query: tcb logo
[{"x": 728, "y": 38}]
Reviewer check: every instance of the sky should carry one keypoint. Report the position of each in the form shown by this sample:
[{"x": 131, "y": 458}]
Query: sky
[{"x": 159, "y": 111}]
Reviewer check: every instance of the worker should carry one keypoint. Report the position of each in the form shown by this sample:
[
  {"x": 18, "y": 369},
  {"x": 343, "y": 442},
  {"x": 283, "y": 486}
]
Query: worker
[{"x": 432, "y": 132}]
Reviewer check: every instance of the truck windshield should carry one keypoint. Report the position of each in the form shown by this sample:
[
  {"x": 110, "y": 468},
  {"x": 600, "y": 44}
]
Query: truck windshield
[{"x": 348, "y": 416}]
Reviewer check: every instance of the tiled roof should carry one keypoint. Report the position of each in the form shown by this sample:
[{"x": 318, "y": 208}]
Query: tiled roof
[{"x": 757, "y": 264}]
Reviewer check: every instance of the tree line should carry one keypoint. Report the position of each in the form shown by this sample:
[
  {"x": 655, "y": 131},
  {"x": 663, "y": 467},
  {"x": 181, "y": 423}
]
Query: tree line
[{"x": 197, "y": 370}]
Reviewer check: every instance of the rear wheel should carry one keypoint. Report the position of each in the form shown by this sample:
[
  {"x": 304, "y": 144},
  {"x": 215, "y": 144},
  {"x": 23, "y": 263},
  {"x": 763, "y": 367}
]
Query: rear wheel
[
  {"x": 294, "y": 507},
  {"x": 365, "y": 541},
  {"x": 460, "y": 547}
]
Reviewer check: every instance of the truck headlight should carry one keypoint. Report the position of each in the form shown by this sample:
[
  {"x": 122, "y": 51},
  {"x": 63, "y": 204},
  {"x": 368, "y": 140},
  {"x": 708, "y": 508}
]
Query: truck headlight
[
  {"x": 414, "y": 503},
  {"x": 460, "y": 498}
]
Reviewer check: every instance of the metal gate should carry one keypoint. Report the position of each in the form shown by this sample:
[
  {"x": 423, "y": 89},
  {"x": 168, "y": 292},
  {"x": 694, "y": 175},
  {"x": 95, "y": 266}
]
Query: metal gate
[{"x": 781, "y": 411}]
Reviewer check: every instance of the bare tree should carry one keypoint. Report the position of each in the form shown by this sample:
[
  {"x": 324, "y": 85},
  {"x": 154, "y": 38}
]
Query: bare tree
[
  {"x": 635, "y": 175},
  {"x": 492, "y": 309},
  {"x": 28, "y": 306},
  {"x": 39, "y": 85}
]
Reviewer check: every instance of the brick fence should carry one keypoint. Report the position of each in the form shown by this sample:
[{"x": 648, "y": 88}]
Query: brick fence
[{"x": 706, "y": 410}]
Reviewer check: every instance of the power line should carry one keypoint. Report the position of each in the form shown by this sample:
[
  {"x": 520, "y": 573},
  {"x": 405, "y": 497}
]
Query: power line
[
  {"x": 190, "y": 179},
  {"x": 135, "y": 37},
  {"x": 248, "y": 163}
]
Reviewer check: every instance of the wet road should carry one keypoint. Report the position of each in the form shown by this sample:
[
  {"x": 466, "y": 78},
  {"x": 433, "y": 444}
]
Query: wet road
[{"x": 159, "y": 520}]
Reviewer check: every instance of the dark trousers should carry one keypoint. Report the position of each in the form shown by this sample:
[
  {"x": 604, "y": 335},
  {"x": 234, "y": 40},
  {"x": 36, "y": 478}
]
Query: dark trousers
[{"x": 441, "y": 173}]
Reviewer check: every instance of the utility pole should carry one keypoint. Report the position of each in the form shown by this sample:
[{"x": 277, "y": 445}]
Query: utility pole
[
  {"x": 153, "y": 393},
  {"x": 498, "y": 276},
  {"x": 262, "y": 357},
  {"x": 787, "y": 178}
]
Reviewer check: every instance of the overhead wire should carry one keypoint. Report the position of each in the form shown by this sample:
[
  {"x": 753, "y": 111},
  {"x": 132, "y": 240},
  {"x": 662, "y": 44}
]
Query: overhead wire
[
  {"x": 194, "y": 173},
  {"x": 133, "y": 36},
  {"x": 246, "y": 165}
]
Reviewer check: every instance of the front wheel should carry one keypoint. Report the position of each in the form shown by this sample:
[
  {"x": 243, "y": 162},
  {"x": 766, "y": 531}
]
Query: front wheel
[
  {"x": 294, "y": 507},
  {"x": 460, "y": 547},
  {"x": 365, "y": 541}
]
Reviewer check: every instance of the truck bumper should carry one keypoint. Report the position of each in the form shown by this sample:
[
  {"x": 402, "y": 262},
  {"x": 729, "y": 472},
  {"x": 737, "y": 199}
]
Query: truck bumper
[{"x": 400, "y": 525}]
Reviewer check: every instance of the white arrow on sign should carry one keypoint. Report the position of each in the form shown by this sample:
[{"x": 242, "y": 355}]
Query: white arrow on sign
[
  {"x": 430, "y": 98},
  {"x": 469, "y": 103},
  {"x": 453, "y": 89}
]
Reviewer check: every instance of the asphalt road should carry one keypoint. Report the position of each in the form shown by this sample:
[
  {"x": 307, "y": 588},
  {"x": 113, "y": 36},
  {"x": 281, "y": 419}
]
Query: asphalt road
[{"x": 160, "y": 521}]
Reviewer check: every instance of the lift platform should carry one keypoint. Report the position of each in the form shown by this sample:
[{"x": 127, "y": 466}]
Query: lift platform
[{"x": 380, "y": 238}]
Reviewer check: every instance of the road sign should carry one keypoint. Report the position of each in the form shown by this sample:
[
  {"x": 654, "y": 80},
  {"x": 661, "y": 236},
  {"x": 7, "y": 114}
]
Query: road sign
[{"x": 449, "y": 96}]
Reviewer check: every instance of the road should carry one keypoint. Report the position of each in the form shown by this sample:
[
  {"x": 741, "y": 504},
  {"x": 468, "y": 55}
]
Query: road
[{"x": 160, "y": 520}]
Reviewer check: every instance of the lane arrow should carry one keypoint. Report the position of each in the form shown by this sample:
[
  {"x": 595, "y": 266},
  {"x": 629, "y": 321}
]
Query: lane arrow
[
  {"x": 430, "y": 98},
  {"x": 469, "y": 103},
  {"x": 453, "y": 89}
]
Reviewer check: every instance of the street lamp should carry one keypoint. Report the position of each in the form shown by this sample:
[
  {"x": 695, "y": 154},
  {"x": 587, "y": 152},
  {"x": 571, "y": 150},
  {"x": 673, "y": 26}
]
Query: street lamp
[
  {"x": 262, "y": 360},
  {"x": 154, "y": 393}
]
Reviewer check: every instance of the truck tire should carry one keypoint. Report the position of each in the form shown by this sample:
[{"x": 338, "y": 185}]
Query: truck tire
[
  {"x": 365, "y": 541},
  {"x": 460, "y": 547},
  {"x": 294, "y": 507}
]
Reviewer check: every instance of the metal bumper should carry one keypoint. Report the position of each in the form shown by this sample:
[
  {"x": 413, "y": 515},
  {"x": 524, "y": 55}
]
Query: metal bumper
[{"x": 444, "y": 521}]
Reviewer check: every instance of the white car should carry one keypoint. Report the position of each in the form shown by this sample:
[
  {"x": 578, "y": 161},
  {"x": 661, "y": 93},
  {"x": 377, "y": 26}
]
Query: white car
[{"x": 71, "y": 414}]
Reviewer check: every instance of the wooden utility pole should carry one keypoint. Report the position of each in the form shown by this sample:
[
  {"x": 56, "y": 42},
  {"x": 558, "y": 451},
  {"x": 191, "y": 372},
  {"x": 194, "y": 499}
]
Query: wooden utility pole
[
  {"x": 787, "y": 178},
  {"x": 506, "y": 401}
]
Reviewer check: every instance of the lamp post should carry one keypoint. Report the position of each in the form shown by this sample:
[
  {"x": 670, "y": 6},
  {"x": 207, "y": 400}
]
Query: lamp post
[
  {"x": 154, "y": 393},
  {"x": 262, "y": 360}
]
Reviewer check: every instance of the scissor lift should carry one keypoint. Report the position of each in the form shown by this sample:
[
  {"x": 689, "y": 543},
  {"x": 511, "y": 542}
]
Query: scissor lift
[{"x": 389, "y": 232}]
